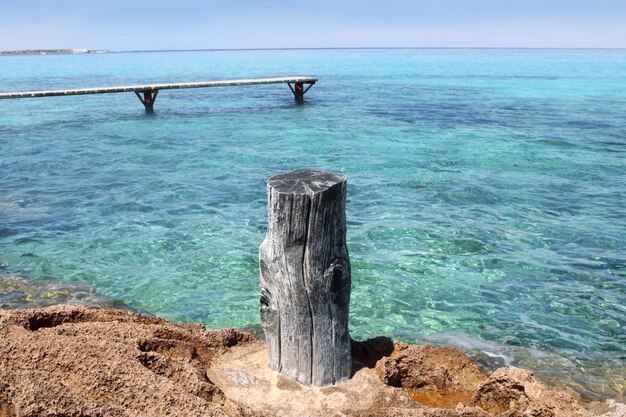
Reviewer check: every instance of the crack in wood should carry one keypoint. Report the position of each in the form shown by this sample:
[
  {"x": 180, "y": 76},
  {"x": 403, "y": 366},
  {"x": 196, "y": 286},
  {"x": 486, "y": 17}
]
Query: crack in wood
[{"x": 306, "y": 286}]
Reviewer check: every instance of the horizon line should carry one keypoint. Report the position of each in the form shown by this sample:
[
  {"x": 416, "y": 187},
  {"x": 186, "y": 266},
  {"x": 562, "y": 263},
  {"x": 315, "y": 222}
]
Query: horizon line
[
  {"x": 330, "y": 48},
  {"x": 363, "y": 47}
]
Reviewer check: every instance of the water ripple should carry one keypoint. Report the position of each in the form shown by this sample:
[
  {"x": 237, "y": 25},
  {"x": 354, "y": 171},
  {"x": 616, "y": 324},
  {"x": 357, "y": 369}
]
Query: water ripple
[{"x": 486, "y": 191}]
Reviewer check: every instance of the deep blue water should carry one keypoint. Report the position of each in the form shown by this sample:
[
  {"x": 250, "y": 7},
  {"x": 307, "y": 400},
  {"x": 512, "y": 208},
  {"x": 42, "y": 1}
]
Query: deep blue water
[{"x": 486, "y": 207}]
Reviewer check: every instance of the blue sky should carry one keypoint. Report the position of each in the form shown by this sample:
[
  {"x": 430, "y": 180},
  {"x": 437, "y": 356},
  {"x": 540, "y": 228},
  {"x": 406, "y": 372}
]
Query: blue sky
[{"x": 197, "y": 24}]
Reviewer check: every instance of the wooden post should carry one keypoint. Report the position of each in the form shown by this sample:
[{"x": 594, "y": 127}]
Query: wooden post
[
  {"x": 305, "y": 277},
  {"x": 148, "y": 99}
]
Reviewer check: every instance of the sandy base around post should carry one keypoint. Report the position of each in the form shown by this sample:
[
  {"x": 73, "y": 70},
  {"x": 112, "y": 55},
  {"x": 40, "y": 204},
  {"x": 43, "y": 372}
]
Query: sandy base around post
[{"x": 81, "y": 361}]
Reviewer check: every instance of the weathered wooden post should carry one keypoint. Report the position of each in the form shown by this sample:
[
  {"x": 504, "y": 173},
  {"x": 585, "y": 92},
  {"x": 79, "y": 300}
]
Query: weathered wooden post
[{"x": 305, "y": 277}]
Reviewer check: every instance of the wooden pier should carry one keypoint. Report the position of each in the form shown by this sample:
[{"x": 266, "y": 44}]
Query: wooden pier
[{"x": 147, "y": 93}]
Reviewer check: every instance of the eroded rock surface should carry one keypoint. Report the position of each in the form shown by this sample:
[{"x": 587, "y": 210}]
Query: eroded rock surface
[
  {"x": 78, "y": 361},
  {"x": 84, "y": 362},
  {"x": 439, "y": 377},
  {"x": 514, "y": 392}
]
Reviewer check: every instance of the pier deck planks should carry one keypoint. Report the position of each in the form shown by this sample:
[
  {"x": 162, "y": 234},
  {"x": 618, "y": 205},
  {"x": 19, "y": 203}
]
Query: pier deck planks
[{"x": 156, "y": 87}]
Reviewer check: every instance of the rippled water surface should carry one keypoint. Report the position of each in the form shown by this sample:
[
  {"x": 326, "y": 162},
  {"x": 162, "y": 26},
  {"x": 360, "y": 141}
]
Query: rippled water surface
[{"x": 486, "y": 207}]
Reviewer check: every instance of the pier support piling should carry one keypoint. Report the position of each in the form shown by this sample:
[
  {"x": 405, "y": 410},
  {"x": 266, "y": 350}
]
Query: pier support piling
[
  {"x": 298, "y": 90},
  {"x": 148, "y": 99},
  {"x": 305, "y": 278}
]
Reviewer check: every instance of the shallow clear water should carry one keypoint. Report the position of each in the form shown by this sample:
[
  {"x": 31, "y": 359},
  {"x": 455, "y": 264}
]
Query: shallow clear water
[{"x": 486, "y": 207}]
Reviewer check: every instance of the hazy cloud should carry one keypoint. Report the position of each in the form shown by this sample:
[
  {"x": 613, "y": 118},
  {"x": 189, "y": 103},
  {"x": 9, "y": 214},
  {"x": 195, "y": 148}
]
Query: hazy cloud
[{"x": 196, "y": 24}]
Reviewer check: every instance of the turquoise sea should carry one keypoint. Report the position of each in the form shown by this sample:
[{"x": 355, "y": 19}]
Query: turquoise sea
[{"x": 486, "y": 206}]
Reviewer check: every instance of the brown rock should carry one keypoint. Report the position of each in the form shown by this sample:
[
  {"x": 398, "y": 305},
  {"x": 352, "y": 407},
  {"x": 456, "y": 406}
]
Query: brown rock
[
  {"x": 77, "y": 361},
  {"x": 440, "y": 377},
  {"x": 514, "y": 392},
  {"x": 88, "y": 362}
]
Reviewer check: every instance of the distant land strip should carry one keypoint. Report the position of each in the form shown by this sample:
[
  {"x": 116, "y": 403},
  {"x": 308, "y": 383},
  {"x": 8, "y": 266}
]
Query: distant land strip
[{"x": 54, "y": 51}]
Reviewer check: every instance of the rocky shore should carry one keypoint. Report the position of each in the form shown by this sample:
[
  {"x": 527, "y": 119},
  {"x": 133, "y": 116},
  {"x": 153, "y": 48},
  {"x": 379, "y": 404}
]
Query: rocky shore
[{"x": 82, "y": 361}]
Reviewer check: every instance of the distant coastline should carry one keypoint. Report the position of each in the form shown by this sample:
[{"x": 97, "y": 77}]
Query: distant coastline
[
  {"x": 54, "y": 51},
  {"x": 338, "y": 48}
]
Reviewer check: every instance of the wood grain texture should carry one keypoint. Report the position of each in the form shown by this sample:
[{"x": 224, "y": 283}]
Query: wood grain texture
[{"x": 305, "y": 277}]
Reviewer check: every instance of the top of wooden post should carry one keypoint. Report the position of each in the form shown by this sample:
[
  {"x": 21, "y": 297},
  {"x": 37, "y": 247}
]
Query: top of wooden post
[{"x": 305, "y": 181}]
